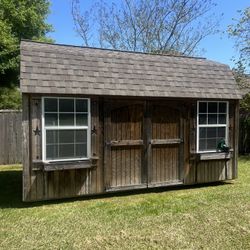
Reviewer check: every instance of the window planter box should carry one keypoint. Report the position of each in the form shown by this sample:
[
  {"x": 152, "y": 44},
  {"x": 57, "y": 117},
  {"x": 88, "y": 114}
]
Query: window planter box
[
  {"x": 64, "y": 165},
  {"x": 212, "y": 156}
]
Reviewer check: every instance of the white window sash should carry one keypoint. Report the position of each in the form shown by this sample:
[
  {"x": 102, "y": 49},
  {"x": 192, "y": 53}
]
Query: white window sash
[
  {"x": 58, "y": 127},
  {"x": 225, "y": 125}
]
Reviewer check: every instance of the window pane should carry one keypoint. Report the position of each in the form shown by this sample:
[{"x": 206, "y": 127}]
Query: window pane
[
  {"x": 81, "y": 119},
  {"x": 222, "y": 119},
  {"x": 212, "y": 119},
  {"x": 81, "y": 106},
  {"x": 212, "y": 107},
  {"x": 66, "y": 136},
  {"x": 221, "y": 132},
  {"x": 51, "y": 152},
  {"x": 203, "y": 133},
  {"x": 66, "y": 105},
  {"x": 50, "y": 104},
  {"x": 62, "y": 143},
  {"x": 66, "y": 151},
  {"x": 202, "y": 119},
  {"x": 81, "y": 150},
  {"x": 202, "y": 144},
  {"x": 211, "y": 144},
  {"x": 51, "y": 137},
  {"x": 66, "y": 119},
  {"x": 222, "y": 107},
  {"x": 51, "y": 120},
  {"x": 209, "y": 136},
  {"x": 81, "y": 136},
  {"x": 202, "y": 107},
  {"x": 211, "y": 132}
]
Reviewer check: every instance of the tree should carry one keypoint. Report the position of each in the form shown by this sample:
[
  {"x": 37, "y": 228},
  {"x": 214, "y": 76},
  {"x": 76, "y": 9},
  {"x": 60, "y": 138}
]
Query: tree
[
  {"x": 240, "y": 30},
  {"x": 146, "y": 25},
  {"x": 10, "y": 98},
  {"x": 19, "y": 19}
]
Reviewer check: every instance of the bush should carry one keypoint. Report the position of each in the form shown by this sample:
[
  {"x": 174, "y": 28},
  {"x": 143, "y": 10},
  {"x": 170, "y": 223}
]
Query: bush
[{"x": 10, "y": 98}]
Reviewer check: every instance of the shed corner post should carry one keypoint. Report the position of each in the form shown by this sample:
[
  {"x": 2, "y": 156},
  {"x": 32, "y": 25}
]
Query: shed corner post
[
  {"x": 26, "y": 146},
  {"x": 236, "y": 138}
]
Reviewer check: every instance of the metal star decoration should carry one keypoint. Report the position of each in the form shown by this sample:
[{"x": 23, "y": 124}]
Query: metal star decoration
[{"x": 37, "y": 131}]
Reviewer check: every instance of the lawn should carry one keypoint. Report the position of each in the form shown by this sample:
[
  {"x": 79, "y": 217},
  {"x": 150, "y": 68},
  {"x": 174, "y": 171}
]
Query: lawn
[{"x": 199, "y": 217}]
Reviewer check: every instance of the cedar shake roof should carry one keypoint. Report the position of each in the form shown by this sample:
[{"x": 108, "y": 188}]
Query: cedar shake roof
[{"x": 61, "y": 69}]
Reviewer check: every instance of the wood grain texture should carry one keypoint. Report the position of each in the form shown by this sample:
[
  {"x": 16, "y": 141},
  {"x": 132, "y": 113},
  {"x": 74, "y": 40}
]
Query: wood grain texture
[
  {"x": 58, "y": 180},
  {"x": 120, "y": 143},
  {"x": 214, "y": 156},
  {"x": 236, "y": 140},
  {"x": 166, "y": 142},
  {"x": 36, "y": 129},
  {"x": 134, "y": 144},
  {"x": 123, "y": 144},
  {"x": 211, "y": 171},
  {"x": 10, "y": 137},
  {"x": 26, "y": 147}
]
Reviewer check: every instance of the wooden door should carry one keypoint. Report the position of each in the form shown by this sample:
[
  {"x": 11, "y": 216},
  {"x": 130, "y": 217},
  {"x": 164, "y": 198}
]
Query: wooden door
[
  {"x": 165, "y": 145},
  {"x": 123, "y": 135}
]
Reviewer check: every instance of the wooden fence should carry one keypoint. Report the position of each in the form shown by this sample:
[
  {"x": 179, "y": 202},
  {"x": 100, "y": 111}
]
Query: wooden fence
[{"x": 10, "y": 137}]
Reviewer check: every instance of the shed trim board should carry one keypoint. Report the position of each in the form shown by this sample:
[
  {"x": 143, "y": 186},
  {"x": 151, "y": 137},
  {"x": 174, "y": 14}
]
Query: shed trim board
[{"x": 143, "y": 128}]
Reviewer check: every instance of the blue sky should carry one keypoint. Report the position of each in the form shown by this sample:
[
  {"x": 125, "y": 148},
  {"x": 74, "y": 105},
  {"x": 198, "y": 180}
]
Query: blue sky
[{"x": 217, "y": 47}]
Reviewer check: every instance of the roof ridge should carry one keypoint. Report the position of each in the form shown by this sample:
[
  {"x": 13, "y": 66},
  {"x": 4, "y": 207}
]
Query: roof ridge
[{"x": 114, "y": 50}]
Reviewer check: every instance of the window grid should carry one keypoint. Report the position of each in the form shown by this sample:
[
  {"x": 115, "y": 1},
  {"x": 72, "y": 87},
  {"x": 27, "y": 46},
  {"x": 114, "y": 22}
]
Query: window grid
[
  {"x": 59, "y": 127},
  {"x": 215, "y": 125}
]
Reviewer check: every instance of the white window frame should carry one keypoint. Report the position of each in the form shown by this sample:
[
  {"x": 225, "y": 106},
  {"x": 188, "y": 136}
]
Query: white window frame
[
  {"x": 198, "y": 126},
  {"x": 88, "y": 128}
]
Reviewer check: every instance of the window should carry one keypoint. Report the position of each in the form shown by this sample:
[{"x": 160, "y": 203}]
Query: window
[
  {"x": 211, "y": 125},
  {"x": 66, "y": 133}
]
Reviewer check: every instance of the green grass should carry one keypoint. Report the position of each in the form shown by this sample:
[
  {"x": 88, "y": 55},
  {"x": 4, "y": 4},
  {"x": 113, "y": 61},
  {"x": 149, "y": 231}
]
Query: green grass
[{"x": 198, "y": 217}]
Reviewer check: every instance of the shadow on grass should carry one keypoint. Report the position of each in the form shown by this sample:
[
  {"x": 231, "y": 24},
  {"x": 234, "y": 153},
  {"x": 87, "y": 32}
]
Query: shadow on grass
[{"x": 11, "y": 191}]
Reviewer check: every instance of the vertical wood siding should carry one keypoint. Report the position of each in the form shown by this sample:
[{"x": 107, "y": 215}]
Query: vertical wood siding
[
  {"x": 165, "y": 158},
  {"x": 39, "y": 184},
  {"x": 130, "y": 148},
  {"x": 125, "y": 164},
  {"x": 10, "y": 137},
  {"x": 213, "y": 170}
]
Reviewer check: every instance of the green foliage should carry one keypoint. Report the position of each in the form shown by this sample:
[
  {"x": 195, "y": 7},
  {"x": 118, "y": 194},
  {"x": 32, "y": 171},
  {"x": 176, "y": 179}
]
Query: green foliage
[
  {"x": 10, "y": 98},
  {"x": 240, "y": 30},
  {"x": 243, "y": 81},
  {"x": 19, "y": 19},
  {"x": 245, "y": 103}
]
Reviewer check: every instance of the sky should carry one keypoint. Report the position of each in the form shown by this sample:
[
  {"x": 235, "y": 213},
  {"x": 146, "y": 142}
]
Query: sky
[{"x": 217, "y": 47}]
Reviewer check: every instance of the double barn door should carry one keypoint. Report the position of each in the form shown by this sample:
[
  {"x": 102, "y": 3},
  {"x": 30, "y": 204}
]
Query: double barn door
[{"x": 143, "y": 145}]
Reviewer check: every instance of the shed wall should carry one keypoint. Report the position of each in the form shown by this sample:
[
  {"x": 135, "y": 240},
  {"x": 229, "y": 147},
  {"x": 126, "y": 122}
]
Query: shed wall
[
  {"x": 71, "y": 180},
  {"x": 42, "y": 182}
]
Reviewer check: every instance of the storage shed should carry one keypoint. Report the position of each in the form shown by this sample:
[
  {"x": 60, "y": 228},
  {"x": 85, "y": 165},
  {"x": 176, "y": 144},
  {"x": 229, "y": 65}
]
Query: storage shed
[{"x": 98, "y": 120}]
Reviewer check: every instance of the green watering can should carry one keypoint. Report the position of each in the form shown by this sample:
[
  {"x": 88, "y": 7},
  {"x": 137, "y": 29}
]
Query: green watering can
[{"x": 222, "y": 146}]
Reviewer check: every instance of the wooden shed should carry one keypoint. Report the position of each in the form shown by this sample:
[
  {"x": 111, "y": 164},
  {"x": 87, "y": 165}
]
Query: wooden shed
[{"x": 98, "y": 120}]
